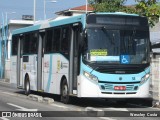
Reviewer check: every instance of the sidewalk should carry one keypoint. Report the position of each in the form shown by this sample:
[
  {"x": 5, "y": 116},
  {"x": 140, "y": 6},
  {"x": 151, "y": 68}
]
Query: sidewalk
[{"x": 5, "y": 80}]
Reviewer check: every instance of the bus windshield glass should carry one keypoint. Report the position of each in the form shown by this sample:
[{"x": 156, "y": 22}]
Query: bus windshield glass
[{"x": 116, "y": 46}]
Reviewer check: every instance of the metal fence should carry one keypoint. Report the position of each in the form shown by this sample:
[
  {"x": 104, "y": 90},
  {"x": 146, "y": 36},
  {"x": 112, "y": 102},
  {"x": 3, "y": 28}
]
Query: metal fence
[{"x": 155, "y": 80}]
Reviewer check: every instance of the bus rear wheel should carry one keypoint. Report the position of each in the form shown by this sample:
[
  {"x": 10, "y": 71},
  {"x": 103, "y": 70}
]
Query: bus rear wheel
[
  {"x": 64, "y": 92},
  {"x": 27, "y": 86}
]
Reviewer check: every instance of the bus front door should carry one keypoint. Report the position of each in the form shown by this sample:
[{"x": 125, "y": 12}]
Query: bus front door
[{"x": 74, "y": 59}]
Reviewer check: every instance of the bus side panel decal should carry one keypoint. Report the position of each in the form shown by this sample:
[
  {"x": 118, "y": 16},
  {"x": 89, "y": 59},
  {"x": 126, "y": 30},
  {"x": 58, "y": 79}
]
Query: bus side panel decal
[{"x": 50, "y": 74}]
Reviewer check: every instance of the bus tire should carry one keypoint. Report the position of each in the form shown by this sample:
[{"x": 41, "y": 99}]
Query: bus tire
[
  {"x": 27, "y": 86},
  {"x": 65, "y": 92}
]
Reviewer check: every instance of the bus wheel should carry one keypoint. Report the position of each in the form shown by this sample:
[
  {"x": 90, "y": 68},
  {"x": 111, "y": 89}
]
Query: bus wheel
[
  {"x": 27, "y": 86},
  {"x": 64, "y": 92}
]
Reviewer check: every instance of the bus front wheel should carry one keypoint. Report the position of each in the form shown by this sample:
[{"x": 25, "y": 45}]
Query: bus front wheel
[
  {"x": 27, "y": 86},
  {"x": 64, "y": 92}
]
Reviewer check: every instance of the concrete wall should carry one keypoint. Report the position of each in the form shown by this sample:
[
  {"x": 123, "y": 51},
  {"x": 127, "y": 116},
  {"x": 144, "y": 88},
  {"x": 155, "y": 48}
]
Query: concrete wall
[
  {"x": 7, "y": 69},
  {"x": 155, "y": 75}
]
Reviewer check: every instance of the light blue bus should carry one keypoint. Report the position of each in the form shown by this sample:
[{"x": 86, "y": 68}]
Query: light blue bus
[{"x": 98, "y": 55}]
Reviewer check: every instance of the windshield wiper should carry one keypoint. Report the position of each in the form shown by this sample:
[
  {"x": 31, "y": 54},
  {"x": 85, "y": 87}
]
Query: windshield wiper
[
  {"x": 112, "y": 40},
  {"x": 94, "y": 69}
]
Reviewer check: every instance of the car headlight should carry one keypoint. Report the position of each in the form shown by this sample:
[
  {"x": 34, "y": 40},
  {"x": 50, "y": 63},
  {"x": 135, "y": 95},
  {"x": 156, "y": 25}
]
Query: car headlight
[
  {"x": 90, "y": 76},
  {"x": 145, "y": 78}
]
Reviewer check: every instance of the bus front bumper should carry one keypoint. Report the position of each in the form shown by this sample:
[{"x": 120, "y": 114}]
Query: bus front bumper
[{"x": 89, "y": 88}]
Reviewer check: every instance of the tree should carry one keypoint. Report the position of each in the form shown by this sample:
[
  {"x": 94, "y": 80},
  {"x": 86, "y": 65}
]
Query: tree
[
  {"x": 148, "y": 8},
  {"x": 107, "y": 5}
]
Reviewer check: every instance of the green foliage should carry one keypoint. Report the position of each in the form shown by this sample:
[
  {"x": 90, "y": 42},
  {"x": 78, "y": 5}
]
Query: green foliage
[
  {"x": 107, "y": 5},
  {"x": 148, "y": 8}
]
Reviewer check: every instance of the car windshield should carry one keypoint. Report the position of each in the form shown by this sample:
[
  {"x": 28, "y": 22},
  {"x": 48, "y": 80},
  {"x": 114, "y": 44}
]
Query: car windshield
[{"x": 116, "y": 46}]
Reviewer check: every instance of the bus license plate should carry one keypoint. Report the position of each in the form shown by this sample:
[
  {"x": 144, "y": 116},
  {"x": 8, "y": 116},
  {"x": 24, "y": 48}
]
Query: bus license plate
[{"x": 119, "y": 87}]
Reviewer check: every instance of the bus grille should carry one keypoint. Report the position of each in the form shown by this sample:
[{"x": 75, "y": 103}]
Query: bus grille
[
  {"x": 120, "y": 93},
  {"x": 109, "y": 87}
]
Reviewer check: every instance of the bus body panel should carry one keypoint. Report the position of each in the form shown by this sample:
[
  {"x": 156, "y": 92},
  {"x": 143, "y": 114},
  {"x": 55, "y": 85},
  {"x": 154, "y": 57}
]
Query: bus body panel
[
  {"x": 13, "y": 76},
  {"x": 55, "y": 67},
  {"x": 30, "y": 68},
  {"x": 108, "y": 81},
  {"x": 88, "y": 88}
]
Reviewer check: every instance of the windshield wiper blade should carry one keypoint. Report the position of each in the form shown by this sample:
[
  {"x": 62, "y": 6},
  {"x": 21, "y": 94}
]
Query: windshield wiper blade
[
  {"x": 112, "y": 40},
  {"x": 94, "y": 69}
]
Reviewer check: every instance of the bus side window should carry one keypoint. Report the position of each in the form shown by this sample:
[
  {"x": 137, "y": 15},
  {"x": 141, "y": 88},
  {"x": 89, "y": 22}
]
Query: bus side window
[
  {"x": 26, "y": 44},
  {"x": 30, "y": 43},
  {"x": 65, "y": 40},
  {"x": 33, "y": 43},
  {"x": 48, "y": 44},
  {"x": 15, "y": 45},
  {"x": 56, "y": 39}
]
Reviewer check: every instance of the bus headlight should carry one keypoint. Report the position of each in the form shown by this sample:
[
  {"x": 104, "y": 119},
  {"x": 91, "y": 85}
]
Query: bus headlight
[
  {"x": 90, "y": 76},
  {"x": 145, "y": 78}
]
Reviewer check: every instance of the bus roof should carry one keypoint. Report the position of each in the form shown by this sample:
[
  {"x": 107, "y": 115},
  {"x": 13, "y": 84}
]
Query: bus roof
[
  {"x": 51, "y": 23},
  {"x": 117, "y": 13},
  {"x": 63, "y": 21}
]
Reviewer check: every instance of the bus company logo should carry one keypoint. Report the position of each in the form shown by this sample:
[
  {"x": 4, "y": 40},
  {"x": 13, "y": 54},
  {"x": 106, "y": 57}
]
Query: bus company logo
[
  {"x": 120, "y": 78},
  {"x": 46, "y": 64}
]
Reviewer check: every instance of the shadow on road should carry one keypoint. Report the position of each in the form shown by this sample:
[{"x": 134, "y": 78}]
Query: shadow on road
[{"x": 99, "y": 103}]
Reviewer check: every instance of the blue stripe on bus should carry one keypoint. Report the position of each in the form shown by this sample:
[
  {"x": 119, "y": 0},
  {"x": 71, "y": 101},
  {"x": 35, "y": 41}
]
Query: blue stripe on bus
[
  {"x": 26, "y": 29},
  {"x": 50, "y": 74},
  {"x": 69, "y": 20},
  {"x": 113, "y": 77}
]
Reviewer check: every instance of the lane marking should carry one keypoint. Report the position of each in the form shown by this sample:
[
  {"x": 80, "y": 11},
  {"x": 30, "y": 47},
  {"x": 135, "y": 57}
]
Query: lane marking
[
  {"x": 4, "y": 118},
  {"x": 21, "y": 108},
  {"x": 107, "y": 118},
  {"x": 59, "y": 106},
  {"x": 9, "y": 93},
  {"x": 143, "y": 106},
  {"x": 117, "y": 109}
]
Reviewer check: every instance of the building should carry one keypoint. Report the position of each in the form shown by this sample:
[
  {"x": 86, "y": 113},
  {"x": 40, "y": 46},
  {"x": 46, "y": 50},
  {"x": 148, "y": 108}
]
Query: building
[
  {"x": 155, "y": 40},
  {"x": 76, "y": 10},
  {"x": 5, "y": 44}
]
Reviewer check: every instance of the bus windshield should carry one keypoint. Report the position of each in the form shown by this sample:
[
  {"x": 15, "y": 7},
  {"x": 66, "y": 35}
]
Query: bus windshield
[{"x": 116, "y": 46}]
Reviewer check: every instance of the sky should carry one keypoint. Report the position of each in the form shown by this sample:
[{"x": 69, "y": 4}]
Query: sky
[{"x": 25, "y": 7}]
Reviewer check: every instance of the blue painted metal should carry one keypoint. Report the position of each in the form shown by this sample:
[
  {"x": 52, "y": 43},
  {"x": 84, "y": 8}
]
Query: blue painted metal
[
  {"x": 2, "y": 49},
  {"x": 50, "y": 74},
  {"x": 53, "y": 23},
  {"x": 7, "y": 37}
]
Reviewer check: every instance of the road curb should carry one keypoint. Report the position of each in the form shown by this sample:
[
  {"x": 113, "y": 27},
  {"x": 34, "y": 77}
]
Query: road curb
[
  {"x": 48, "y": 100},
  {"x": 40, "y": 99},
  {"x": 35, "y": 98},
  {"x": 94, "y": 112},
  {"x": 156, "y": 104},
  {"x": 5, "y": 81}
]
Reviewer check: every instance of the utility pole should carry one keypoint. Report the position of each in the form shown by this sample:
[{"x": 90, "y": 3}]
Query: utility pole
[{"x": 34, "y": 12}]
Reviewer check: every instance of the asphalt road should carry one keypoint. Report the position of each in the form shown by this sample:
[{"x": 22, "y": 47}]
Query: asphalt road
[{"x": 12, "y": 99}]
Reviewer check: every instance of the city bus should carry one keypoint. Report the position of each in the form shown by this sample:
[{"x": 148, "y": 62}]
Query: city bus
[{"x": 95, "y": 55}]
